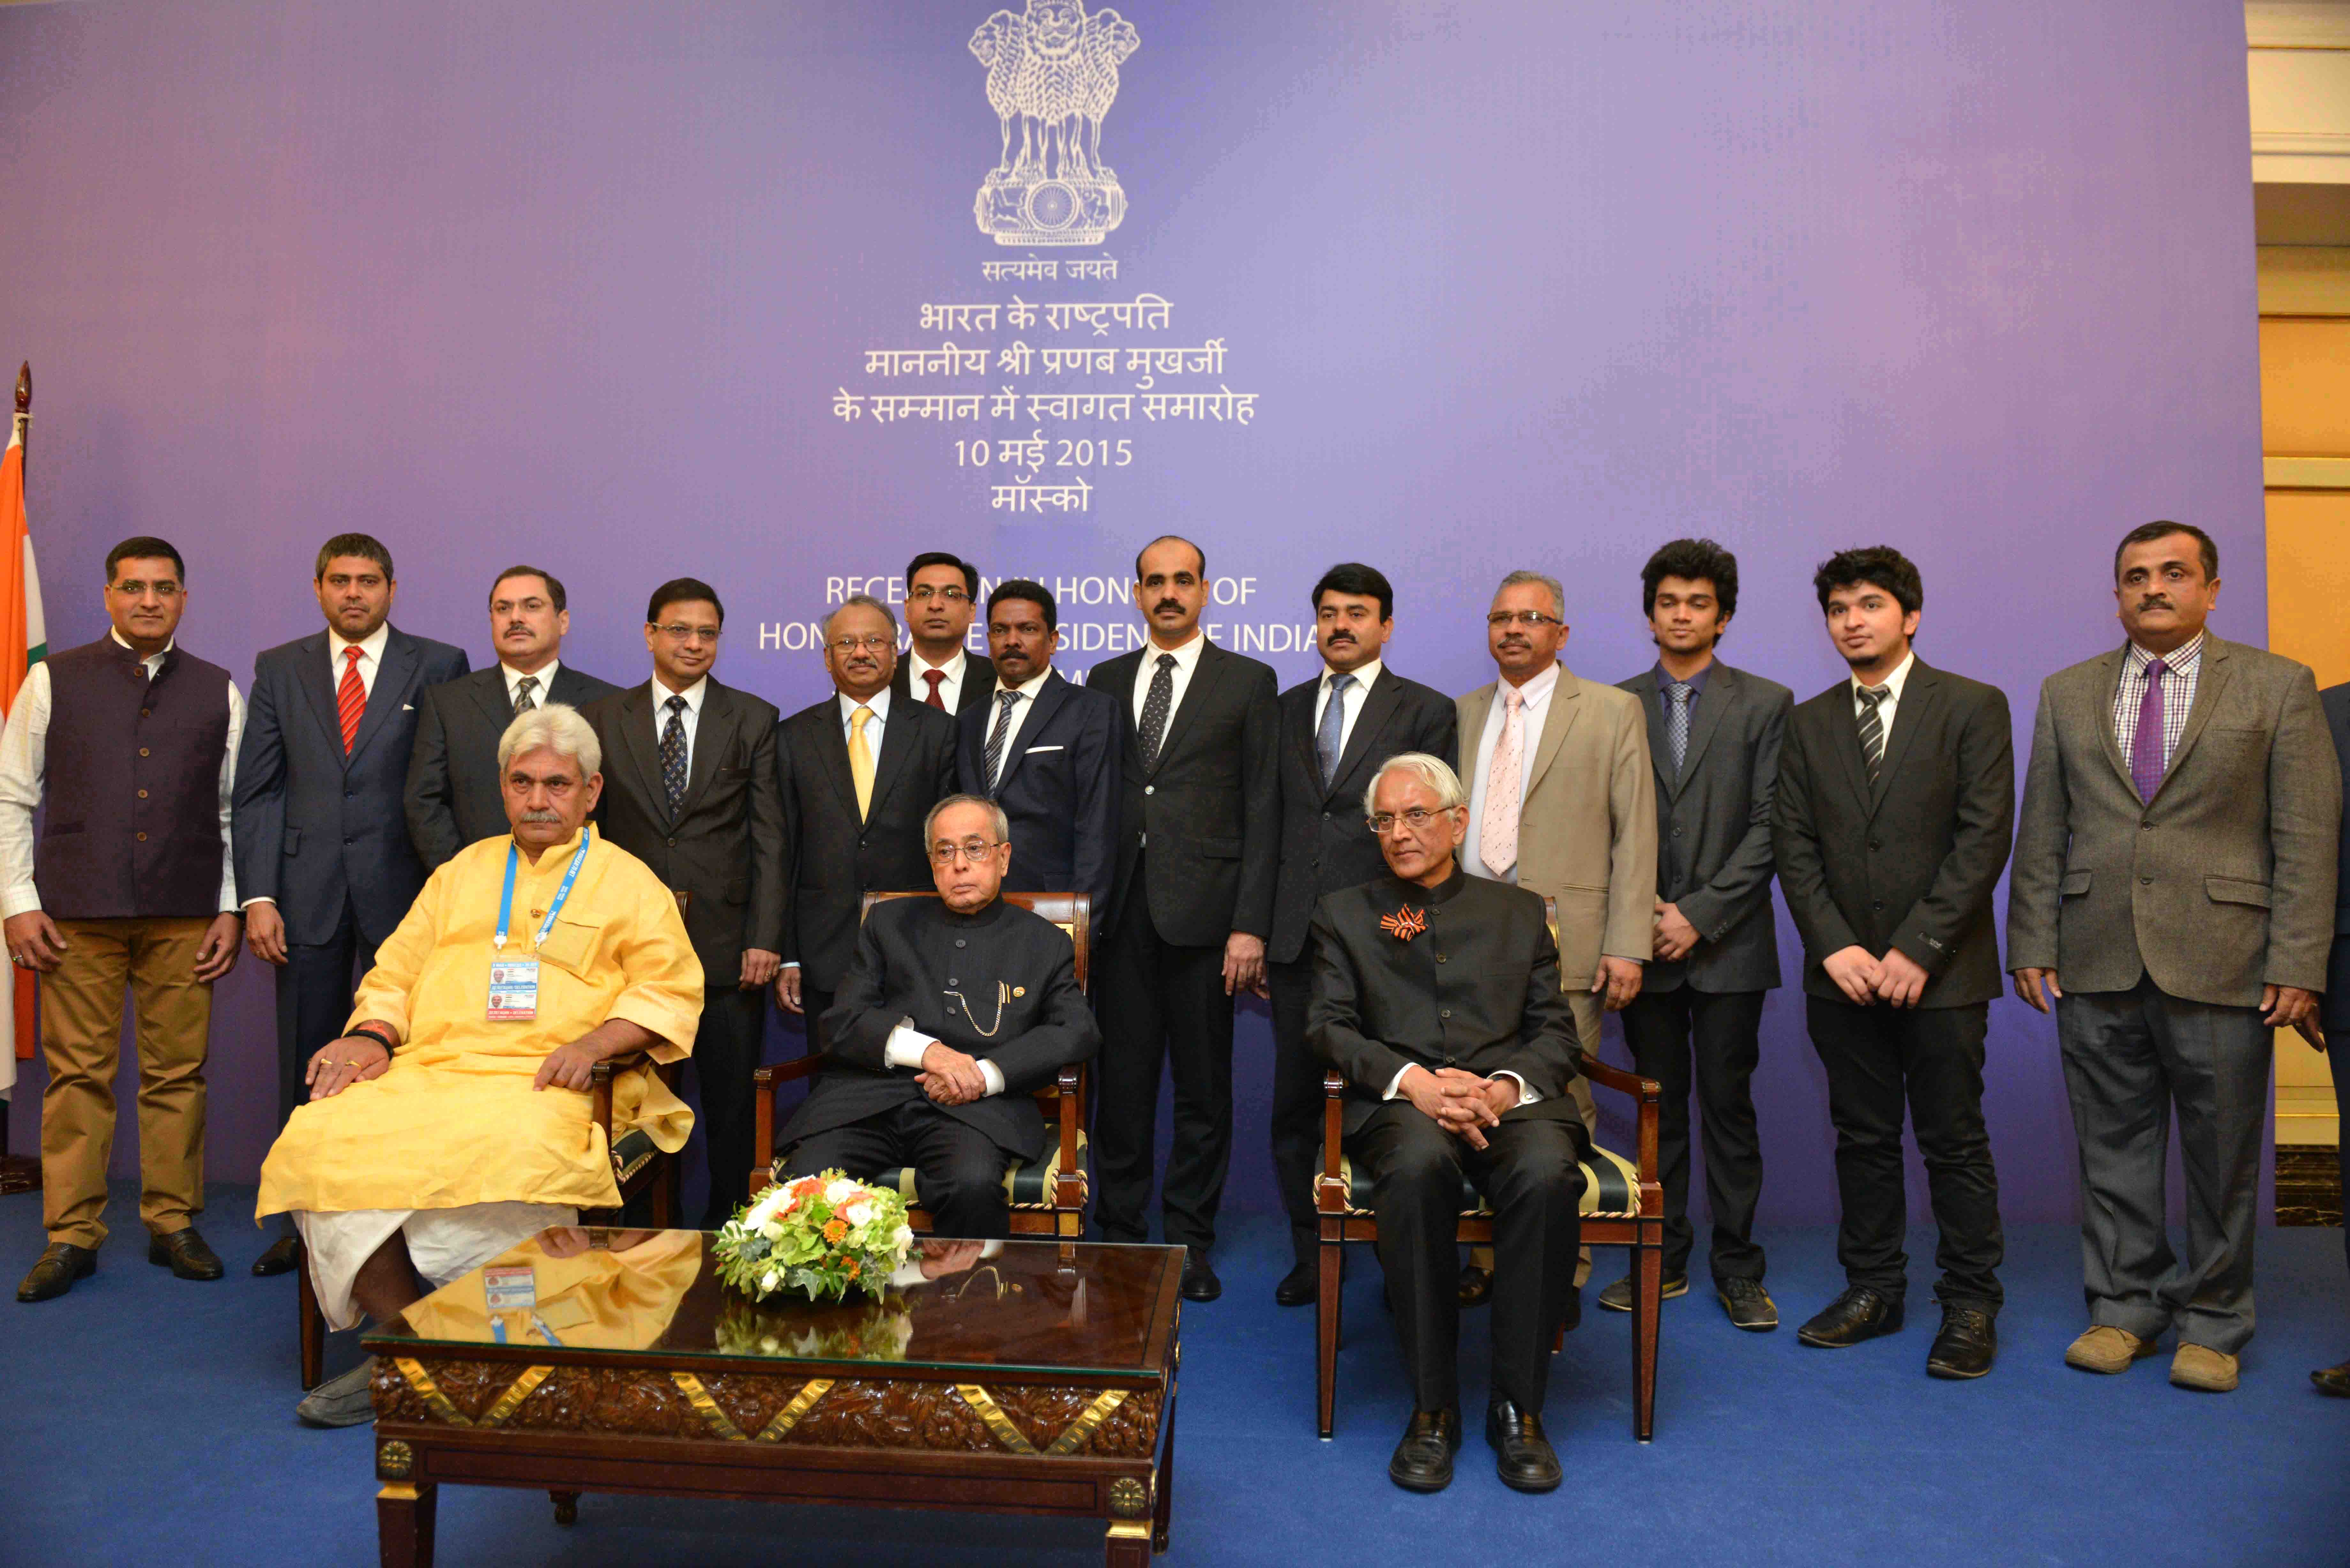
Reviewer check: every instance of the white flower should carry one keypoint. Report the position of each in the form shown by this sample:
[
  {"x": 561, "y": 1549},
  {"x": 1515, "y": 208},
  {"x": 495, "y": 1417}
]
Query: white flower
[
  {"x": 774, "y": 1199},
  {"x": 858, "y": 1212},
  {"x": 770, "y": 1280},
  {"x": 903, "y": 1237},
  {"x": 838, "y": 1192}
]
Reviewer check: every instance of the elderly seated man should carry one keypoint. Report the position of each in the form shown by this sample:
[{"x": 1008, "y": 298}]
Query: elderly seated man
[
  {"x": 952, "y": 1010},
  {"x": 1436, "y": 995},
  {"x": 452, "y": 1118}
]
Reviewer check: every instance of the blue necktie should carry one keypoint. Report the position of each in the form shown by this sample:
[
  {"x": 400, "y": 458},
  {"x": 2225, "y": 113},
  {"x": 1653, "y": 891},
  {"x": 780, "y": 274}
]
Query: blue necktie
[{"x": 1327, "y": 744}]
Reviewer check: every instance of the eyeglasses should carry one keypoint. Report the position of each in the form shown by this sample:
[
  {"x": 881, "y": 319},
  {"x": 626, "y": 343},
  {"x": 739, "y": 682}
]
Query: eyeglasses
[
  {"x": 679, "y": 633},
  {"x": 971, "y": 850},
  {"x": 873, "y": 640},
  {"x": 1417, "y": 819},
  {"x": 1521, "y": 617},
  {"x": 953, "y": 596}
]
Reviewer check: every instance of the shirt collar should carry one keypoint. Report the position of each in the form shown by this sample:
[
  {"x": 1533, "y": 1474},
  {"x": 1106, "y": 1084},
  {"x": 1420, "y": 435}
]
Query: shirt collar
[
  {"x": 1536, "y": 692},
  {"x": 372, "y": 647},
  {"x": 1364, "y": 675},
  {"x": 1665, "y": 678},
  {"x": 915, "y": 664},
  {"x": 1895, "y": 682},
  {"x": 554, "y": 855},
  {"x": 545, "y": 675},
  {"x": 692, "y": 694},
  {"x": 1187, "y": 657},
  {"x": 1030, "y": 687},
  {"x": 879, "y": 702},
  {"x": 153, "y": 661},
  {"x": 2178, "y": 660}
]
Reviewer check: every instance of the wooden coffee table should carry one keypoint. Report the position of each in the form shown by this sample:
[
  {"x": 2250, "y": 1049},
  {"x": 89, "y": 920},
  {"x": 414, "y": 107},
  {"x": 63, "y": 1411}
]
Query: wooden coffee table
[{"x": 1036, "y": 1378}]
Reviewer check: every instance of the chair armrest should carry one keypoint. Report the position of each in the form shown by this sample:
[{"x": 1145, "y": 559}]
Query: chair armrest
[
  {"x": 1329, "y": 1188},
  {"x": 1648, "y": 1092},
  {"x": 767, "y": 1080},
  {"x": 1069, "y": 1186}
]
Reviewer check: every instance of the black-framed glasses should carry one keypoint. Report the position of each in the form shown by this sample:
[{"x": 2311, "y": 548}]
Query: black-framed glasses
[
  {"x": 676, "y": 632},
  {"x": 953, "y": 596},
  {"x": 1417, "y": 819},
  {"x": 971, "y": 850},
  {"x": 1521, "y": 617}
]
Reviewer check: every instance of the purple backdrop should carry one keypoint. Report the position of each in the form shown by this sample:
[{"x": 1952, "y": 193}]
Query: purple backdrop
[{"x": 1511, "y": 284}]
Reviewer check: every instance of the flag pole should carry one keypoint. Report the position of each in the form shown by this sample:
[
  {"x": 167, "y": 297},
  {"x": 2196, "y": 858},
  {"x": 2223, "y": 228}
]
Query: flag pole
[{"x": 20, "y": 1173}]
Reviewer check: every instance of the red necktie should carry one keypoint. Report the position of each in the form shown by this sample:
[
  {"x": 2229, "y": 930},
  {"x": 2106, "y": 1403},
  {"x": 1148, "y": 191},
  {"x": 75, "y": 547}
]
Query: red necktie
[
  {"x": 937, "y": 678},
  {"x": 350, "y": 698}
]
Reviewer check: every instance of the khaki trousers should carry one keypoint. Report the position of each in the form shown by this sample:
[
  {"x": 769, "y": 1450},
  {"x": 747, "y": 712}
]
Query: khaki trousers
[{"x": 81, "y": 1035}]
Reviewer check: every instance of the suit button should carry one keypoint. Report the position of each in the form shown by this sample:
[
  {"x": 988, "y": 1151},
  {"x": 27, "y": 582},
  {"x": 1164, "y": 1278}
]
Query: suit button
[
  {"x": 1446, "y": 1013},
  {"x": 142, "y": 750},
  {"x": 142, "y": 795},
  {"x": 2146, "y": 827},
  {"x": 146, "y": 713},
  {"x": 1325, "y": 817},
  {"x": 1877, "y": 903},
  {"x": 1873, "y": 843},
  {"x": 959, "y": 941},
  {"x": 1440, "y": 957},
  {"x": 142, "y": 838},
  {"x": 1677, "y": 833},
  {"x": 2146, "y": 881},
  {"x": 1147, "y": 789},
  {"x": 670, "y": 842}
]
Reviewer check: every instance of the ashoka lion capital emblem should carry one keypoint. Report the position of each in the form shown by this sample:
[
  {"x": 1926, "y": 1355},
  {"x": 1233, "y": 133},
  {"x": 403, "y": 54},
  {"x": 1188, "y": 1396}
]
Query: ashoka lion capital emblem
[{"x": 1052, "y": 73}]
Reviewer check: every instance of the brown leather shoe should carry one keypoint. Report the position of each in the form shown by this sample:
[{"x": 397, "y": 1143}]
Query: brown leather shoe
[
  {"x": 186, "y": 1252},
  {"x": 61, "y": 1264},
  {"x": 2202, "y": 1368},
  {"x": 2334, "y": 1380},
  {"x": 2109, "y": 1350}
]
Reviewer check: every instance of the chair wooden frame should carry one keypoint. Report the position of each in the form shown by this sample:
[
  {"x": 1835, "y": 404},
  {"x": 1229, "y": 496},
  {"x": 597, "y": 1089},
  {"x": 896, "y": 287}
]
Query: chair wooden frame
[
  {"x": 633, "y": 1173},
  {"x": 1062, "y": 1101},
  {"x": 1643, "y": 1232}
]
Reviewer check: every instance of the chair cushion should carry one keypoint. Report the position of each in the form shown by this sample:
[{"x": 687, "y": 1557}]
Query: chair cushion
[
  {"x": 632, "y": 1151},
  {"x": 1024, "y": 1186},
  {"x": 1611, "y": 1188}
]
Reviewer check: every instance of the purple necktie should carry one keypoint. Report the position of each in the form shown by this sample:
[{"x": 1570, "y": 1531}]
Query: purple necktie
[{"x": 2145, "y": 746}]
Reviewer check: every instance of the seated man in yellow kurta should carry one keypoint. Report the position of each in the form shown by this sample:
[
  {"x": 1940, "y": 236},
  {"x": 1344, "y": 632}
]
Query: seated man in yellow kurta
[{"x": 452, "y": 1118}]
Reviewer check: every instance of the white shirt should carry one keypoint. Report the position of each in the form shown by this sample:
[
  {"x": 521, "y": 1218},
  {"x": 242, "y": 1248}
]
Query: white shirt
[
  {"x": 949, "y": 689},
  {"x": 1353, "y": 700},
  {"x": 1020, "y": 711},
  {"x": 24, "y": 756},
  {"x": 1892, "y": 699},
  {"x": 545, "y": 676},
  {"x": 907, "y": 1044},
  {"x": 691, "y": 717},
  {"x": 1186, "y": 659},
  {"x": 879, "y": 702},
  {"x": 1537, "y": 692},
  {"x": 370, "y": 656}
]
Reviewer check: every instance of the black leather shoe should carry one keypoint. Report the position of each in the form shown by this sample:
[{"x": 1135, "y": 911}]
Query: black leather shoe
[
  {"x": 1424, "y": 1459},
  {"x": 1523, "y": 1455},
  {"x": 278, "y": 1260},
  {"x": 1617, "y": 1297},
  {"x": 61, "y": 1264},
  {"x": 1476, "y": 1287},
  {"x": 186, "y": 1253},
  {"x": 1301, "y": 1285},
  {"x": 1857, "y": 1315},
  {"x": 2334, "y": 1380},
  {"x": 1200, "y": 1282},
  {"x": 1965, "y": 1346},
  {"x": 1750, "y": 1306}
]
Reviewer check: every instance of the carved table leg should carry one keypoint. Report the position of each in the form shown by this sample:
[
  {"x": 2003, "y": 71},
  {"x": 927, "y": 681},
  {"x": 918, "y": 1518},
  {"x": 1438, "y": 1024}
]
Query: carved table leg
[
  {"x": 567, "y": 1507},
  {"x": 403, "y": 1524},
  {"x": 1165, "y": 1486},
  {"x": 1128, "y": 1545}
]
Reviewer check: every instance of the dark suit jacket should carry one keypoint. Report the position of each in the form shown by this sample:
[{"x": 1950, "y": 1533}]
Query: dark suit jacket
[
  {"x": 978, "y": 681},
  {"x": 1324, "y": 844},
  {"x": 1713, "y": 827},
  {"x": 452, "y": 797},
  {"x": 910, "y": 955},
  {"x": 312, "y": 826},
  {"x": 1059, "y": 792},
  {"x": 1912, "y": 863},
  {"x": 725, "y": 847},
  {"x": 836, "y": 859},
  {"x": 1209, "y": 802},
  {"x": 1493, "y": 1004},
  {"x": 2336, "y": 702}
]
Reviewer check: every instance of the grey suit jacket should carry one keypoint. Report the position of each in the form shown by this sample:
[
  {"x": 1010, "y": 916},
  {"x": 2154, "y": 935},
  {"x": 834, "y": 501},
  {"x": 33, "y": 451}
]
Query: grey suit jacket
[
  {"x": 1713, "y": 827},
  {"x": 2223, "y": 882}
]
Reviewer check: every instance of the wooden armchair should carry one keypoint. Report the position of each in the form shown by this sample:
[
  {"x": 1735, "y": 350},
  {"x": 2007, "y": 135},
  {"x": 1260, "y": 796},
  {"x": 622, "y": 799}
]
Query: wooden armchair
[
  {"x": 639, "y": 1166},
  {"x": 1048, "y": 1196},
  {"x": 1623, "y": 1205}
]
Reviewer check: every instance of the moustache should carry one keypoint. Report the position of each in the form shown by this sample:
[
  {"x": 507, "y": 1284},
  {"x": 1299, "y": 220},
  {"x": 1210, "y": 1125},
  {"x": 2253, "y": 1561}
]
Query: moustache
[
  {"x": 542, "y": 817},
  {"x": 517, "y": 627},
  {"x": 1176, "y": 605},
  {"x": 2158, "y": 602},
  {"x": 1338, "y": 636}
]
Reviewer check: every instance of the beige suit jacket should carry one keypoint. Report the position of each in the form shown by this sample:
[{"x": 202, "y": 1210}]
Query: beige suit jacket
[{"x": 1587, "y": 831}]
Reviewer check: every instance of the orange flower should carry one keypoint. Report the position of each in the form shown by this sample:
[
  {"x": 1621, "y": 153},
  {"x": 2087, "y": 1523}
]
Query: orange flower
[
  {"x": 853, "y": 1267},
  {"x": 834, "y": 1230}
]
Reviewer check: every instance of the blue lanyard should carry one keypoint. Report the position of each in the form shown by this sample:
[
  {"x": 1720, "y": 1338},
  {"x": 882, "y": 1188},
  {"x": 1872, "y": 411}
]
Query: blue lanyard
[{"x": 505, "y": 901}]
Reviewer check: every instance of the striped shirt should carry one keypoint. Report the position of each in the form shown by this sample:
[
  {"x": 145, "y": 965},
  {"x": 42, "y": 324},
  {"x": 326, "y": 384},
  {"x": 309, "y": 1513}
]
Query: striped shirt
[{"x": 2180, "y": 669}]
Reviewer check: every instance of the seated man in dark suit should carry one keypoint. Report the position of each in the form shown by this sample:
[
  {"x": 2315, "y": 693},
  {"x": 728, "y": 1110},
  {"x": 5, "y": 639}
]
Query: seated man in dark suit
[
  {"x": 1436, "y": 995},
  {"x": 952, "y": 1011}
]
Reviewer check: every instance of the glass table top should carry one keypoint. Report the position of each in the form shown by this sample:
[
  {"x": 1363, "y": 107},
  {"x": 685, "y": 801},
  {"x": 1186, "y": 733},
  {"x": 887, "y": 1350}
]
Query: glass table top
[{"x": 1031, "y": 1305}]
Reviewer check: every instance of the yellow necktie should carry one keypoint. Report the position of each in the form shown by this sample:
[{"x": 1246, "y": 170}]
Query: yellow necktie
[{"x": 860, "y": 761}]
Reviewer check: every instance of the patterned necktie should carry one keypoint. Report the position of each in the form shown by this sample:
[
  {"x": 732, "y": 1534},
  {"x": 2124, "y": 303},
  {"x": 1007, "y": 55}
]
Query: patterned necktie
[
  {"x": 1155, "y": 709},
  {"x": 2147, "y": 745},
  {"x": 524, "y": 700},
  {"x": 1872, "y": 730},
  {"x": 673, "y": 754},
  {"x": 860, "y": 762},
  {"x": 350, "y": 698},
  {"x": 1677, "y": 721},
  {"x": 1497, "y": 835},
  {"x": 937, "y": 678},
  {"x": 1334, "y": 726},
  {"x": 1004, "y": 703}
]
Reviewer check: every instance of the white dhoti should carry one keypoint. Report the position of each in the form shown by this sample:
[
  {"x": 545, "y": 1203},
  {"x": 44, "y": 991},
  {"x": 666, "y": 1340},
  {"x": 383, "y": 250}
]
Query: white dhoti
[{"x": 444, "y": 1243}]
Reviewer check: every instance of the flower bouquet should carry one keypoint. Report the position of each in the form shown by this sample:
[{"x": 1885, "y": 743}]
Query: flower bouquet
[
  {"x": 822, "y": 1234},
  {"x": 879, "y": 1331}
]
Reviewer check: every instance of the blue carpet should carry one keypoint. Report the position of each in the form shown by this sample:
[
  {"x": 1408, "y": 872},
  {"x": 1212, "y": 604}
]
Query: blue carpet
[{"x": 147, "y": 1419}]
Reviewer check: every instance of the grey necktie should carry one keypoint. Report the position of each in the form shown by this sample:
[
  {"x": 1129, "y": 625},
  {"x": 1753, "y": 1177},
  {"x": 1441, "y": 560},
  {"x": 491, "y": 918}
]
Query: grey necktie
[
  {"x": 673, "y": 755},
  {"x": 1155, "y": 707},
  {"x": 1005, "y": 701},
  {"x": 524, "y": 700},
  {"x": 1677, "y": 721},
  {"x": 1872, "y": 730},
  {"x": 1334, "y": 725}
]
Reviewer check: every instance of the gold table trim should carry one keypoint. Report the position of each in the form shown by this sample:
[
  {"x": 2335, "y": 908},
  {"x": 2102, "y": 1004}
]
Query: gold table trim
[
  {"x": 983, "y": 1406},
  {"x": 789, "y": 1416},
  {"x": 1081, "y": 1430},
  {"x": 698, "y": 1397}
]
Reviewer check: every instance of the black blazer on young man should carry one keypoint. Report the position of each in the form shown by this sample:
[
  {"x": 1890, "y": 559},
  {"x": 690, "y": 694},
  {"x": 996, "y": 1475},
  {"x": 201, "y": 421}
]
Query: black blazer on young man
[
  {"x": 978, "y": 682},
  {"x": 836, "y": 859},
  {"x": 452, "y": 797},
  {"x": 1059, "y": 791}
]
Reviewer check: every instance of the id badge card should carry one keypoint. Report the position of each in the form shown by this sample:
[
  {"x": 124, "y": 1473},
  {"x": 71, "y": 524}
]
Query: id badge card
[{"x": 513, "y": 991}]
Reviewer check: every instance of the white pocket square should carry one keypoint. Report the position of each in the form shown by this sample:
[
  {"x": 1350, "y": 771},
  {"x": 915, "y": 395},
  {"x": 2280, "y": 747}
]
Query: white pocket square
[
  {"x": 407, "y": 707},
  {"x": 1034, "y": 749}
]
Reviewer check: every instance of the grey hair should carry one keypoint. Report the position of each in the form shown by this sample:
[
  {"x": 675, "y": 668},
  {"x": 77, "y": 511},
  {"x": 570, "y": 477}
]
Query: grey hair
[
  {"x": 870, "y": 602},
  {"x": 1433, "y": 771},
  {"x": 557, "y": 727},
  {"x": 1003, "y": 822},
  {"x": 1549, "y": 584}
]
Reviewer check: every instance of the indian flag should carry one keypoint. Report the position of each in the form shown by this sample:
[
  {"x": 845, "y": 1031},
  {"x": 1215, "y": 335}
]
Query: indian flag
[{"x": 23, "y": 642}]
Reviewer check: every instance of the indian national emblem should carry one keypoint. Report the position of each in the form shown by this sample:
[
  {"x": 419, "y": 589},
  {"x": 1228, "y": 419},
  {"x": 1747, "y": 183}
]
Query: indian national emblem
[{"x": 1052, "y": 71}]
